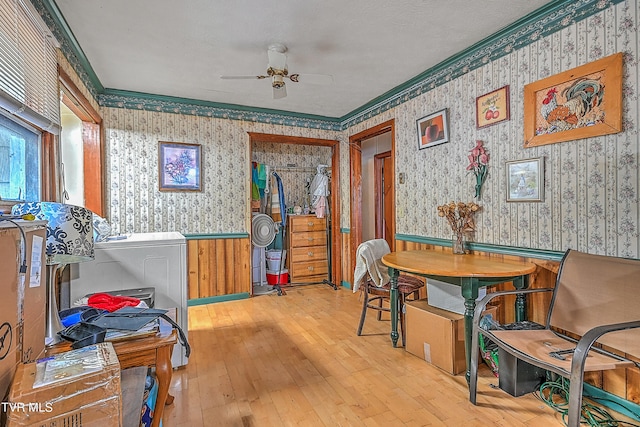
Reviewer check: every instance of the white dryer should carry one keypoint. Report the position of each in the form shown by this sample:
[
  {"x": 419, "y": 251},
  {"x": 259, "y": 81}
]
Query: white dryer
[{"x": 140, "y": 260}]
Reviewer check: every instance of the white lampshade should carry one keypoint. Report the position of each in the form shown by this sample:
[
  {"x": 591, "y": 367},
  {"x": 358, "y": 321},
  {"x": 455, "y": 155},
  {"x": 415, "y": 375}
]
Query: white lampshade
[{"x": 69, "y": 231}]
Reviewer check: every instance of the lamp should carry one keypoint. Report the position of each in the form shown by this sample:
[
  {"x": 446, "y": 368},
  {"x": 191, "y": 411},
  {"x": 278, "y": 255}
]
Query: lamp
[{"x": 69, "y": 240}]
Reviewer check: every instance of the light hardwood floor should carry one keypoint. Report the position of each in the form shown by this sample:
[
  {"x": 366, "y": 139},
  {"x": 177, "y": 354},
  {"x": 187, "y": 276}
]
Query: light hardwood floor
[{"x": 295, "y": 360}]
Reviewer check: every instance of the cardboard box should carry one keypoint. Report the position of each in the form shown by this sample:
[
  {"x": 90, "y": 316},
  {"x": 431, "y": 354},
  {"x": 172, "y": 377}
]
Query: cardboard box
[
  {"x": 89, "y": 398},
  {"x": 22, "y": 304},
  {"x": 9, "y": 258},
  {"x": 447, "y": 296},
  {"x": 436, "y": 335},
  {"x": 32, "y": 319}
]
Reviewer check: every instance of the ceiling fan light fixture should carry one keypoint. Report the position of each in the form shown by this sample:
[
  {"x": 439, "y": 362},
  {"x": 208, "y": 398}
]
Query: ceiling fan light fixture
[
  {"x": 277, "y": 70},
  {"x": 277, "y": 81},
  {"x": 277, "y": 47}
]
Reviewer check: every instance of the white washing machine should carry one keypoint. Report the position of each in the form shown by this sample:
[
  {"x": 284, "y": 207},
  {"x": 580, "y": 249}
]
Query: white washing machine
[{"x": 140, "y": 260}]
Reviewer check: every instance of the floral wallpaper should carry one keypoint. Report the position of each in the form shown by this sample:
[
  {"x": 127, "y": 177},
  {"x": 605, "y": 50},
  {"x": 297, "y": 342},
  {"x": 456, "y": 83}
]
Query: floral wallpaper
[
  {"x": 134, "y": 202},
  {"x": 591, "y": 185}
]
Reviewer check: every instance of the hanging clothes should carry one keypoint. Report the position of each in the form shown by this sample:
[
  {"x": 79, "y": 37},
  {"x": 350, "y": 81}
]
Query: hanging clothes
[
  {"x": 321, "y": 207},
  {"x": 258, "y": 180},
  {"x": 262, "y": 178},
  {"x": 320, "y": 191},
  {"x": 255, "y": 193}
]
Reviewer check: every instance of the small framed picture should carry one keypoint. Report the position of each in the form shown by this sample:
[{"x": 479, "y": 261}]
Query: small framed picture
[
  {"x": 433, "y": 129},
  {"x": 179, "y": 166},
  {"x": 492, "y": 108},
  {"x": 525, "y": 180}
]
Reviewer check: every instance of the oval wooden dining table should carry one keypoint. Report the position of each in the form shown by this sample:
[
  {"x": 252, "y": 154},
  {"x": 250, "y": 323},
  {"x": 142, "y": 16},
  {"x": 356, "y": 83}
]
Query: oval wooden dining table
[{"x": 469, "y": 271}]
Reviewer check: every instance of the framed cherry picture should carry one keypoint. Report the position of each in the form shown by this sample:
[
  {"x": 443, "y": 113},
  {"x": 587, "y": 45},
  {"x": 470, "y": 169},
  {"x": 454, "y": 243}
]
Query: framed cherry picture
[{"x": 493, "y": 107}]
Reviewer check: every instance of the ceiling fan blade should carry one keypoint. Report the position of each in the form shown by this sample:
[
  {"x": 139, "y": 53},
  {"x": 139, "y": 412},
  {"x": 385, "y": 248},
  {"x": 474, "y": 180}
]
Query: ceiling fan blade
[
  {"x": 315, "y": 79},
  {"x": 277, "y": 60},
  {"x": 243, "y": 77},
  {"x": 279, "y": 92}
]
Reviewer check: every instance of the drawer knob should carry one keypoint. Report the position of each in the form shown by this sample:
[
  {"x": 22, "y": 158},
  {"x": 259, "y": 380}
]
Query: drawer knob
[
  {"x": 310, "y": 224},
  {"x": 310, "y": 239},
  {"x": 310, "y": 268},
  {"x": 310, "y": 253}
]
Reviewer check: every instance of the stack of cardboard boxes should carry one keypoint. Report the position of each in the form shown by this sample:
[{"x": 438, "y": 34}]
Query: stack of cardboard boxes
[{"x": 22, "y": 343}]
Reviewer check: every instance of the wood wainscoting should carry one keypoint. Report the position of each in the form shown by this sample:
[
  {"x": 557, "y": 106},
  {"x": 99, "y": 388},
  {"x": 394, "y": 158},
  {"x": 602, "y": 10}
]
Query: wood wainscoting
[
  {"x": 345, "y": 267},
  {"x": 218, "y": 266}
]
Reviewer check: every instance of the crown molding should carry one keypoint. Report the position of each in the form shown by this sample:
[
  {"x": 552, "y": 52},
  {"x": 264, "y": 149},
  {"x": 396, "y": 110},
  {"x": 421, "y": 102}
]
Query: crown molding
[
  {"x": 143, "y": 101},
  {"x": 69, "y": 46},
  {"x": 546, "y": 20}
]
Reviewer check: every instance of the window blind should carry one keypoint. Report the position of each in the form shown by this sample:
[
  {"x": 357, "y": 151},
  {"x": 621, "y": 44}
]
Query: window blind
[{"x": 28, "y": 66}]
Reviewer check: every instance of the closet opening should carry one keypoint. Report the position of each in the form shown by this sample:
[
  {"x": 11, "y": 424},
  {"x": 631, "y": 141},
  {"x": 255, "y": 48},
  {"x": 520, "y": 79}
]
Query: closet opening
[{"x": 294, "y": 185}]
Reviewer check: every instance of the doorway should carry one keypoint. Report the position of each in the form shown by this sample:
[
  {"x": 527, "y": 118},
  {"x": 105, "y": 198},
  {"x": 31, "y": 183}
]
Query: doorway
[
  {"x": 372, "y": 186},
  {"x": 334, "y": 199},
  {"x": 384, "y": 203}
]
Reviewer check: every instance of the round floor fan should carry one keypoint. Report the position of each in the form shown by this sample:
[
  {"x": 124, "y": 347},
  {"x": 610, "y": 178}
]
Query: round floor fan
[
  {"x": 263, "y": 230},
  {"x": 263, "y": 233}
]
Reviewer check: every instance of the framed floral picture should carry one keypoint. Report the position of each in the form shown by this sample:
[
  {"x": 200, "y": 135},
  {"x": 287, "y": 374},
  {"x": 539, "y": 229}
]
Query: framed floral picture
[
  {"x": 433, "y": 129},
  {"x": 525, "y": 180},
  {"x": 179, "y": 166},
  {"x": 574, "y": 104},
  {"x": 492, "y": 108}
]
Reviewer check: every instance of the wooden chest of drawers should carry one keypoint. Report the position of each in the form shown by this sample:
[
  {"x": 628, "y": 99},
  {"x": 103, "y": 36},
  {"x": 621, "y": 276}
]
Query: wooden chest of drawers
[{"x": 307, "y": 254}]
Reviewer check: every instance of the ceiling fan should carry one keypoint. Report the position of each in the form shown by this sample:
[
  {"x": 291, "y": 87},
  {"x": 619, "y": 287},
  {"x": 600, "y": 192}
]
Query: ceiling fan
[{"x": 277, "y": 71}]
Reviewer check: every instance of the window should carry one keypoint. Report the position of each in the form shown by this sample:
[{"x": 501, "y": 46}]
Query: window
[{"x": 20, "y": 160}]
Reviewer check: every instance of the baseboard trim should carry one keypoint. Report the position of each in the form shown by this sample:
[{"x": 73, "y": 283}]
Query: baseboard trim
[
  {"x": 486, "y": 247},
  {"x": 613, "y": 402},
  {"x": 221, "y": 298}
]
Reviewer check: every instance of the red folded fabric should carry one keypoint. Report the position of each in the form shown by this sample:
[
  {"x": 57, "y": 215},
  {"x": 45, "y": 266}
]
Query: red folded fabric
[{"x": 111, "y": 302}]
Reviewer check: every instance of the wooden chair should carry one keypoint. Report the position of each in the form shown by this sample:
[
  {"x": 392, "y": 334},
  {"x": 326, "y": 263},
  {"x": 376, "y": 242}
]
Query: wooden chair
[
  {"x": 375, "y": 296},
  {"x": 595, "y": 301}
]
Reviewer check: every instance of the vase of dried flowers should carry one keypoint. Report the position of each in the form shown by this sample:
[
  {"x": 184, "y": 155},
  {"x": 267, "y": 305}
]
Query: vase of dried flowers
[
  {"x": 461, "y": 219},
  {"x": 458, "y": 246}
]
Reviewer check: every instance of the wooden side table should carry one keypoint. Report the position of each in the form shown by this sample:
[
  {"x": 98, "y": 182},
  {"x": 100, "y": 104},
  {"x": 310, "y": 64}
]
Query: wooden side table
[{"x": 153, "y": 351}]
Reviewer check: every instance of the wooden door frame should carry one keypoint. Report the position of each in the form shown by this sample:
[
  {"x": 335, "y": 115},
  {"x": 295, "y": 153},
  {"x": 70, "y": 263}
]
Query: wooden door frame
[
  {"x": 336, "y": 255},
  {"x": 378, "y": 160},
  {"x": 92, "y": 143},
  {"x": 355, "y": 155}
]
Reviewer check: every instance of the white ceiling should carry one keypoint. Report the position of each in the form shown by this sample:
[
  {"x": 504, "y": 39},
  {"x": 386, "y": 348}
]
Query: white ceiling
[{"x": 181, "y": 48}]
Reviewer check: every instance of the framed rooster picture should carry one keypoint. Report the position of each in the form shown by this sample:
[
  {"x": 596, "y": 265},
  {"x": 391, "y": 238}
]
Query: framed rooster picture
[{"x": 579, "y": 103}]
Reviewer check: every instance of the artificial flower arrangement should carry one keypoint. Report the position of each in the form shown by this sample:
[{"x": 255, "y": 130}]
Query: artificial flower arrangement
[
  {"x": 478, "y": 161},
  {"x": 461, "y": 219}
]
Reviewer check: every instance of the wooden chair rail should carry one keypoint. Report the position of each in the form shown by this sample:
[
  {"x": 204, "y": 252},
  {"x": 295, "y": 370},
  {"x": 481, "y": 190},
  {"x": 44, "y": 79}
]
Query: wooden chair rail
[{"x": 593, "y": 299}]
